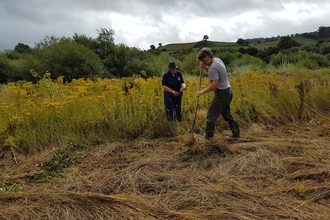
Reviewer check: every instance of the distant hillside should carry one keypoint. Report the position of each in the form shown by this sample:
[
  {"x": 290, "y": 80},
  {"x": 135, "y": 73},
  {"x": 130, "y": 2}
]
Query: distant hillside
[
  {"x": 323, "y": 33},
  {"x": 260, "y": 45},
  {"x": 196, "y": 45}
]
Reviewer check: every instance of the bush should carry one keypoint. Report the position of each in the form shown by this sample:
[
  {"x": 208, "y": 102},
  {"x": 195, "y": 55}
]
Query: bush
[
  {"x": 22, "y": 67},
  {"x": 5, "y": 71},
  {"x": 307, "y": 63},
  {"x": 70, "y": 60},
  {"x": 325, "y": 48},
  {"x": 321, "y": 60}
]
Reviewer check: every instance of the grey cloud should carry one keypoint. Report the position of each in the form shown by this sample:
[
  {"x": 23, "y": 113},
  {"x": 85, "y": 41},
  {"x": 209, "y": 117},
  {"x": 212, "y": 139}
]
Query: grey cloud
[{"x": 29, "y": 21}]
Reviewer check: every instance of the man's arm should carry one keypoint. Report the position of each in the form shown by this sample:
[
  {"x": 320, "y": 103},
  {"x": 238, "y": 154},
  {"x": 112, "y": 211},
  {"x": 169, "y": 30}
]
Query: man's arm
[{"x": 211, "y": 87}]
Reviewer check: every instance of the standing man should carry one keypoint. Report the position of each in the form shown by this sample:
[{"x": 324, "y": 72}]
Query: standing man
[
  {"x": 172, "y": 83},
  {"x": 219, "y": 84}
]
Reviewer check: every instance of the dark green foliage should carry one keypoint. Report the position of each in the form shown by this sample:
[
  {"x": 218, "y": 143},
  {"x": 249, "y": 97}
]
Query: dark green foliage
[
  {"x": 266, "y": 53},
  {"x": 310, "y": 48},
  {"x": 242, "y": 42},
  {"x": 88, "y": 42},
  {"x": 18, "y": 65},
  {"x": 324, "y": 31},
  {"x": 327, "y": 56},
  {"x": 283, "y": 59},
  {"x": 12, "y": 55},
  {"x": 180, "y": 54},
  {"x": 245, "y": 60},
  {"x": 252, "y": 51},
  {"x": 203, "y": 43},
  {"x": 30, "y": 63},
  {"x": 62, "y": 158},
  {"x": 287, "y": 43},
  {"x": 308, "y": 63},
  {"x": 106, "y": 35},
  {"x": 205, "y": 38},
  {"x": 49, "y": 41},
  {"x": 321, "y": 60},
  {"x": 70, "y": 60},
  {"x": 85, "y": 57},
  {"x": 242, "y": 50},
  {"x": 227, "y": 57},
  {"x": 325, "y": 48},
  {"x": 22, "y": 48},
  {"x": 5, "y": 71}
]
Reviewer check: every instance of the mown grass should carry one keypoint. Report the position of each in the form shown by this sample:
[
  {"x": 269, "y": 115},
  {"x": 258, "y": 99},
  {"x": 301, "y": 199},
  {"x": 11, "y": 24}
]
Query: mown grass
[{"x": 272, "y": 172}]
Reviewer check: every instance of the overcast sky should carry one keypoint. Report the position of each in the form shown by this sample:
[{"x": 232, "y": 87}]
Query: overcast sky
[{"x": 141, "y": 23}]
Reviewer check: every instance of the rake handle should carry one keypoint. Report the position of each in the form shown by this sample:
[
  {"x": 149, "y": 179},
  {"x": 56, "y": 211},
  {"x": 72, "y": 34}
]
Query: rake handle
[{"x": 196, "y": 105}]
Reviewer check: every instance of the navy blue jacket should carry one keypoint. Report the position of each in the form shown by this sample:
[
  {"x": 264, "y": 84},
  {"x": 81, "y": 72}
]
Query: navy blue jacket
[{"x": 173, "y": 82}]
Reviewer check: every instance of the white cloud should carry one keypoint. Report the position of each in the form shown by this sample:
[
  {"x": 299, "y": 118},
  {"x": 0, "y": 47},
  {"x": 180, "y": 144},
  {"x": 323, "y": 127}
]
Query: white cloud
[{"x": 146, "y": 22}]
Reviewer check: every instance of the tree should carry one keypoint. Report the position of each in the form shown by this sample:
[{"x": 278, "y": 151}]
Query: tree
[
  {"x": 205, "y": 38},
  {"x": 22, "y": 66},
  {"x": 22, "y": 48},
  {"x": 152, "y": 47},
  {"x": 49, "y": 41},
  {"x": 324, "y": 31},
  {"x": 84, "y": 40},
  {"x": 5, "y": 71},
  {"x": 70, "y": 60},
  {"x": 287, "y": 43},
  {"x": 242, "y": 42},
  {"x": 325, "y": 48},
  {"x": 106, "y": 35},
  {"x": 252, "y": 51},
  {"x": 160, "y": 44},
  {"x": 242, "y": 50}
]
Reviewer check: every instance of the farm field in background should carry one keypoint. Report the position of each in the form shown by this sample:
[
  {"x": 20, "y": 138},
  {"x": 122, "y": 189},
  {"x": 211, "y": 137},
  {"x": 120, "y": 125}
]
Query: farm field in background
[
  {"x": 104, "y": 150},
  {"x": 218, "y": 44}
]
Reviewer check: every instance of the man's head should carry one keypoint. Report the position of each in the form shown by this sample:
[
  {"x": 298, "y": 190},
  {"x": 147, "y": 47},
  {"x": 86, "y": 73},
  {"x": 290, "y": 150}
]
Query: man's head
[
  {"x": 205, "y": 56},
  {"x": 204, "y": 52}
]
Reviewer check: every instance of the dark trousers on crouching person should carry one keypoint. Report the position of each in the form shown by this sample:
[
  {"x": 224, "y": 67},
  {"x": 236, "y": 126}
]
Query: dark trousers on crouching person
[
  {"x": 220, "y": 105},
  {"x": 173, "y": 106}
]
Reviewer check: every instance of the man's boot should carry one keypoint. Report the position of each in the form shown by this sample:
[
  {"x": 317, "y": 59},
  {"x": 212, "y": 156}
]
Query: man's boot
[
  {"x": 209, "y": 130},
  {"x": 234, "y": 129}
]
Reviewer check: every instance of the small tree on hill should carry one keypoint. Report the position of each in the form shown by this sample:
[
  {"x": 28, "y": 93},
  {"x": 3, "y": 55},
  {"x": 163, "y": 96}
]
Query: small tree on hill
[
  {"x": 242, "y": 42},
  {"x": 205, "y": 38}
]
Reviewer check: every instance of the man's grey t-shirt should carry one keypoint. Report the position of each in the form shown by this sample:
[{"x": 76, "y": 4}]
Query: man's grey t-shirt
[{"x": 218, "y": 71}]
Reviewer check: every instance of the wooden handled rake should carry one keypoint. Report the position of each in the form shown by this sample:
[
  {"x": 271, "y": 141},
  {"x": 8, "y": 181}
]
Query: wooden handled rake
[{"x": 196, "y": 105}]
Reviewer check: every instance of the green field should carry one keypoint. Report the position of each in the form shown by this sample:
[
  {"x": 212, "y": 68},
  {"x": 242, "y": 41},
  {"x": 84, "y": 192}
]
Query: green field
[
  {"x": 180, "y": 46},
  {"x": 219, "y": 44}
]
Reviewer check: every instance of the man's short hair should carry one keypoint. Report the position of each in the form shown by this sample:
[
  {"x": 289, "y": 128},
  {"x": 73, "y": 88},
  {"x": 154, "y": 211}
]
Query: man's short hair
[{"x": 204, "y": 52}]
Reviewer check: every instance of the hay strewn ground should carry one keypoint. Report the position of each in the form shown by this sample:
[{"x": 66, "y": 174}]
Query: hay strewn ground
[{"x": 269, "y": 173}]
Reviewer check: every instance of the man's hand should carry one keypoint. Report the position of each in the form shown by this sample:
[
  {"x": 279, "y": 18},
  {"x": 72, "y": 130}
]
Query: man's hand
[{"x": 199, "y": 93}]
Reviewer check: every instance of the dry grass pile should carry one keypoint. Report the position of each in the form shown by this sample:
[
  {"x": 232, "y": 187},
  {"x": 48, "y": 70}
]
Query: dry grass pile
[{"x": 269, "y": 173}]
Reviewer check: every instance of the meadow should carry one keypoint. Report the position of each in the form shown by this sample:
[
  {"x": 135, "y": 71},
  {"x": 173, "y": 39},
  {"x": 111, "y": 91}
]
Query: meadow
[
  {"x": 37, "y": 116},
  {"x": 103, "y": 149}
]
